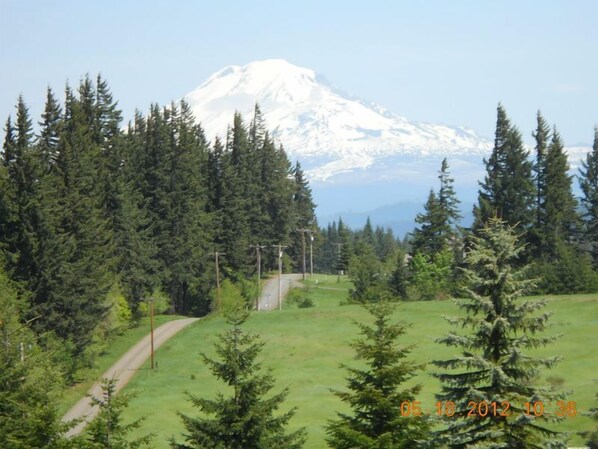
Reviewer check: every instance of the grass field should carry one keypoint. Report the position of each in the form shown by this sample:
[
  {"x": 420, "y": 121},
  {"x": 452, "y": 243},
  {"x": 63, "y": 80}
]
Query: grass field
[{"x": 305, "y": 346}]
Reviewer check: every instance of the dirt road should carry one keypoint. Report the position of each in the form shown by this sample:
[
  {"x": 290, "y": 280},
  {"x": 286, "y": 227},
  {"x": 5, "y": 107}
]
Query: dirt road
[
  {"x": 269, "y": 297},
  {"x": 123, "y": 370}
]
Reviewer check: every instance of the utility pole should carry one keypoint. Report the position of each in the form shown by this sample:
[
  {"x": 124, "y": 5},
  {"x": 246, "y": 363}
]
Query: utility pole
[
  {"x": 303, "y": 231},
  {"x": 259, "y": 273},
  {"x": 152, "y": 332},
  {"x": 338, "y": 245},
  {"x": 279, "y": 247},
  {"x": 311, "y": 254},
  {"x": 218, "y": 301}
]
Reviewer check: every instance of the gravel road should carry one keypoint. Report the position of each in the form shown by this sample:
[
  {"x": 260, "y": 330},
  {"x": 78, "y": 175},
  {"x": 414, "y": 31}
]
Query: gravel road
[
  {"x": 123, "y": 371},
  {"x": 125, "y": 368},
  {"x": 269, "y": 297}
]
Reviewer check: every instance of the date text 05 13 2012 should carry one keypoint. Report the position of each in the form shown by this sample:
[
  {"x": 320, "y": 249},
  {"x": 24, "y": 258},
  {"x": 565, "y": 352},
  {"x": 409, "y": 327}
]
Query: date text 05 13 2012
[{"x": 482, "y": 409}]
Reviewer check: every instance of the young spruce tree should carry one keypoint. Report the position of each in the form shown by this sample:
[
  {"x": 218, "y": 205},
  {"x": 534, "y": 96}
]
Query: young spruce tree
[
  {"x": 247, "y": 419},
  {"x": 107, "y": 431},
  {"x": 493, "y": 367},
  {"x": 376, "y": 394},
  {"x": 588, "y": 181}
]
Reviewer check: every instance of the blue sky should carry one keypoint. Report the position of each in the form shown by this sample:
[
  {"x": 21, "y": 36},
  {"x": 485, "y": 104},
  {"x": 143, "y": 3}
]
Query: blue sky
[{"x": 438, "y": 61}]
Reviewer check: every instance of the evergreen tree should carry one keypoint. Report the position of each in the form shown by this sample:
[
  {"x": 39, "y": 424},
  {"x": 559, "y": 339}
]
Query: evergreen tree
[
  {"x": 137, "y": 263},
  {"x": 184, "y": 240},
  {"x": 542, "y": 137},
  {"x": 107, "y": 431},
  {"x": 274, "y": 223},
  {"x": 377, "y": 393},
  {"x": 448, "y": 201},
  {"x": 344, "y": 248},
  {"x": 438, "y": 222},
  {"x": 368, "y": 233},
  {"x": 246, "y": 420},
  {"x": 560, "y": 205},
  {"x": 385, "y": 243},
  {"x": 235, "y": 235},
  {"x": 429, "y": 238},
  {"x": 367, "y": 274},
  {"x": 76, "y": 264},
  {"x": 22, "y": 199},
  {"x": 399, "y": 278},
  {"x": 588, "y": 181},
  {"x": 493, "y": 367},
  {"x": 326, "y": 257},
  {"x": 508, "y": 190},
  {"x": 29, "y": 382},
  {"x": 50, "y": 127},
  {"x": 303, "y": 214}
]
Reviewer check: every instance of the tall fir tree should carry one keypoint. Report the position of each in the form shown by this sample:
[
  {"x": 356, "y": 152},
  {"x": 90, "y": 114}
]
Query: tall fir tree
[
  {"x": 136, "y": 252},
  {"x": 235, "y": 201},
  {"x": 184, "y": 244},
  {"x": 438, "y": 222},
  {"x": 23, "y": 200},
  {"x": 494, "y": 367},
  {"x": 560, "y": 206},
  {"x": 542, "y": 137},
  {"x": 447, "y": 200},
  {"x": 377, "y": 392},
  {"x": 50, "y": 127},
  {"x": 344, "y": 247},
  {"x": 428, "y": 238},
  {"x": 588, "y": 181},
  {"x": 303, "y": 215},
  {"x": 247, "y": 419},
  {"x": 508, "y": 189},
  {"x": 77, "y": 264}
]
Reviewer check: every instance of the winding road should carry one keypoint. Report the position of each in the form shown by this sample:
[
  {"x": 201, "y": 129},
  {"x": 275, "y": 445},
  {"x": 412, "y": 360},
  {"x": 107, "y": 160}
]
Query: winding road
[{"x": 124, "y": 369}]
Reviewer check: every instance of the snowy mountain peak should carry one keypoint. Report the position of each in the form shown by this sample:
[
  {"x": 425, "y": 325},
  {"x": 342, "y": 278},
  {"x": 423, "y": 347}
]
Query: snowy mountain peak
[{"x": 328, "y": 130}]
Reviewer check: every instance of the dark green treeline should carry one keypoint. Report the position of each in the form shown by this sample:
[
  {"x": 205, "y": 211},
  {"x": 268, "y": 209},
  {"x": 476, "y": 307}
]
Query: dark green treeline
[
  {"x": 532, "y": 191},
  {"x": 89, "y": 205}
]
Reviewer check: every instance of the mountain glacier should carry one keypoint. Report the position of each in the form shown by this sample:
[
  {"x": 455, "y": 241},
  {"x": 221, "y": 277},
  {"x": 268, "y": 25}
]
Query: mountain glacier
[
  {"x": 329, "y": 131},
  {"x": 358, "y": 156}
]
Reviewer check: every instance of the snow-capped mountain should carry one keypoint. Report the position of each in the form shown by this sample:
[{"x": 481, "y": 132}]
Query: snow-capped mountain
[
  {"x": 358, "y": 155},
  {"x": 329, "y": 131}
]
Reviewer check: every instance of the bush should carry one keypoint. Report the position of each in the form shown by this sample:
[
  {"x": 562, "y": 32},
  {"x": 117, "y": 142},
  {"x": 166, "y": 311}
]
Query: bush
[
  {"x": 298, "y": 297},
  {"x": 162, "y": 304},
  {"x": 369, "y": 276},
  {"x": 430, "y": 278},
  {"x": 570, "y": 272}
]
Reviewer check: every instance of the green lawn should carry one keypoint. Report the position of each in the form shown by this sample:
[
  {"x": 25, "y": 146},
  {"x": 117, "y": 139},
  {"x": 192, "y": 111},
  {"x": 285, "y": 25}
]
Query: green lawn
[
  {"x": 115, "y": 350},
  {"x": 305, "y": 346}
]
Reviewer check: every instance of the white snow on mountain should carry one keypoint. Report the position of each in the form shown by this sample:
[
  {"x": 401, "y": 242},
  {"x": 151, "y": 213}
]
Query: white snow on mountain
[{"x": 329, "y": 131}]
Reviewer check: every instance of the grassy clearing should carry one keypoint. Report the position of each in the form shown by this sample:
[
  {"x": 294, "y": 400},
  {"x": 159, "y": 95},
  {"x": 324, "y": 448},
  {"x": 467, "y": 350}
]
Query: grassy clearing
[
  {"x": 114, "y": 351},
  {"x": 305, "y": 346}
]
